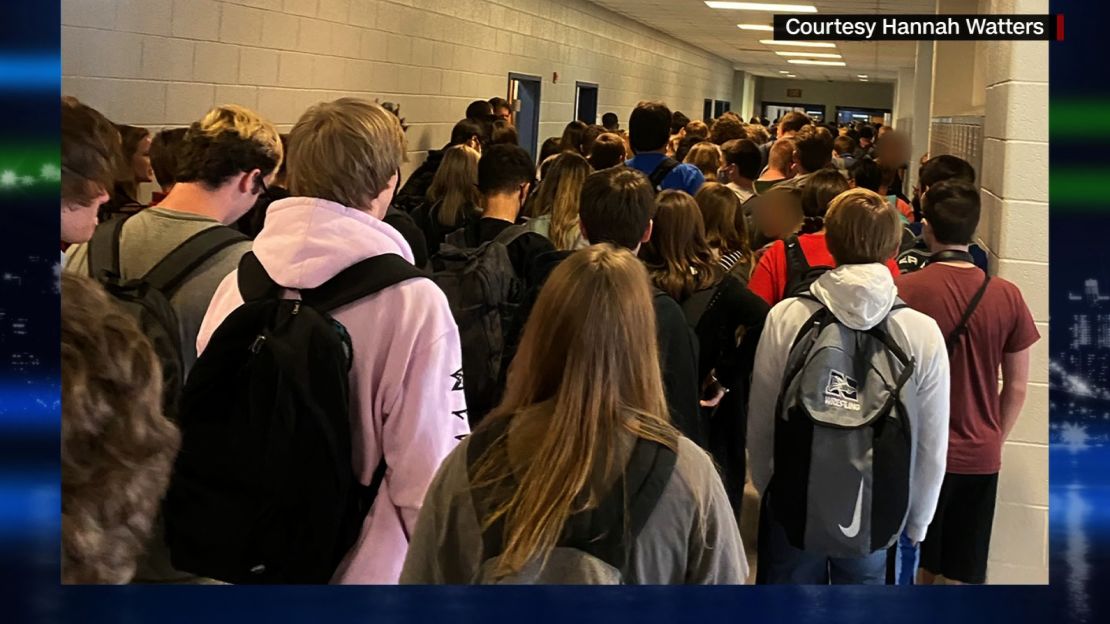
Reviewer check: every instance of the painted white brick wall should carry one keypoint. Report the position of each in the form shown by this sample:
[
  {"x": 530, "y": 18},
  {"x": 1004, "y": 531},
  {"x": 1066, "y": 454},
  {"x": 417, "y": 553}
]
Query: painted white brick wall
[
  {"x": 164, "y": 62},
  {"x": 1015, "y": 229}
]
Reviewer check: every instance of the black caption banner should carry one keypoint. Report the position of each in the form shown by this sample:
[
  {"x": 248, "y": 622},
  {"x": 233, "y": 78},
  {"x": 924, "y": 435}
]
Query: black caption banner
[{"x": 919, "y": 27}]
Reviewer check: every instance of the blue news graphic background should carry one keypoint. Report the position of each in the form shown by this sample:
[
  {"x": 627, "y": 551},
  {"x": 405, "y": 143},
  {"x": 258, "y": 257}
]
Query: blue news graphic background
[{"x": 30, "y": 408}]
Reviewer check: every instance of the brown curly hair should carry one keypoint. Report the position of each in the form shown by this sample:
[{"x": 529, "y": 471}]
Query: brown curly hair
[{"x": 117, "y": 447}]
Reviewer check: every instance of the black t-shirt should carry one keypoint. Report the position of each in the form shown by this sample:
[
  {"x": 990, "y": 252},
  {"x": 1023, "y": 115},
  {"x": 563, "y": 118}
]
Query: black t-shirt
[
  {"x": 522, "y": 252},
  {"x": 404, "y": 224}
]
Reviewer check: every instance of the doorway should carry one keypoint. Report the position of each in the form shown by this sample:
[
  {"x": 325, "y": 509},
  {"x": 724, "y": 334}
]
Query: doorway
[
  {"x": 585, "y": 102},
  {"x": 849, "y": 114},
  {"x": 524, "y": 93},
  {"x": 774, "y": 110},
  {"x": 720, "y": 107},
  {"x": 707, "y": 111}
]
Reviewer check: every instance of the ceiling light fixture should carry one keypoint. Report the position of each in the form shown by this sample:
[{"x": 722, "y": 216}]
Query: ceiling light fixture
[
  {"x": 762, "y": 6},
  {"x": 783, "y": 71},
  {"x": 809, "y": 62},
  {"x": 756, "y": 27},
  {"x": 861, "y": 75},
  {"x": 791, "y": 76},
  {"x": 800, "y": 44},
  {"x": 809, "y": 54}
]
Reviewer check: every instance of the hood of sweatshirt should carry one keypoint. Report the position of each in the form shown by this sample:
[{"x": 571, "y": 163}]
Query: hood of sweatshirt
[
  {"x": 307, "y": 241},
  {"x": 859, "y": 295}
]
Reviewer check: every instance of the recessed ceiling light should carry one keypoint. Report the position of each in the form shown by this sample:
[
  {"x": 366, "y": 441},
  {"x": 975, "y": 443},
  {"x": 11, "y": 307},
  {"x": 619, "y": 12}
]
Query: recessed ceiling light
[
  {"x": 762, "y": 6},
  {"x": 861, "y": 75},
  {"x": 783, "y": 71},
  {"x": 800, "y": 44},
  {"x": 756, "y": 27},
  {"x": 809, "y": 62},
  {"x": 791, "y": 76},
  {"x": 809, "y": 54}
]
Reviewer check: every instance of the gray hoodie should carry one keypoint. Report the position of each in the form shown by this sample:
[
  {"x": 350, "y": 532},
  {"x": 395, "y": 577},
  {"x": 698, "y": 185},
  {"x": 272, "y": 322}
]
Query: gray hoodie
[
  {"x": 860, "y": 296},
  {"x": 690, "y": 537}
]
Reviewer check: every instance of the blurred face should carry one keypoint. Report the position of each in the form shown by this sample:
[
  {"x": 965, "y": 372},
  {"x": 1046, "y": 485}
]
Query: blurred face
[
  {"x": 503, "y": 113},
  {"x": 140, "y": 162},
  {"x": 79, "y": 219}
]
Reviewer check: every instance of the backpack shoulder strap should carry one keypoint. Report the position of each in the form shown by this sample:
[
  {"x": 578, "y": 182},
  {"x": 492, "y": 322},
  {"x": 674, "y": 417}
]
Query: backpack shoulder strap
[
  {"x": 661, "y": 171},
  {"x": 796, "y": 263},
  {"x": 511, "y": 233},
  {"x": 649, "y": 470},
  {"x": 361, "y": 280},
  {"x": 171, "y": 271},
  {"x": 104, "y": 248},
  {"x": 953, "y": 339},
  {"x": 697, "y": 304}
]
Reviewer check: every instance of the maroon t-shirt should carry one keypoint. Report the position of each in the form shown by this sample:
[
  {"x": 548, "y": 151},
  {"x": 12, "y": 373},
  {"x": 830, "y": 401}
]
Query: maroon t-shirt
[{"x": 1001, "y": 324}]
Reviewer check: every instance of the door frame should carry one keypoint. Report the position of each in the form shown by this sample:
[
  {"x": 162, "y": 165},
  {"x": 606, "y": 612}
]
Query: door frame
[
  {"x": 824, "y": 109},
  {"x": 578, "y": 84},
  {"x": 539, "y": 98}
]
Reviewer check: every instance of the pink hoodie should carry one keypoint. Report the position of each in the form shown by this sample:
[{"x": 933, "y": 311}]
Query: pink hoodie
[{"x": 406, "y": 381}]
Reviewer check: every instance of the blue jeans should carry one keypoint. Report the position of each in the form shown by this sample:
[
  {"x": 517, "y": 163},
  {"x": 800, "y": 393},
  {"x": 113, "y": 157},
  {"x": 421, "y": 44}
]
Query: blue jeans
[
  {"x": 780, "y": 563},
  {"x": 906, "y": 559}
]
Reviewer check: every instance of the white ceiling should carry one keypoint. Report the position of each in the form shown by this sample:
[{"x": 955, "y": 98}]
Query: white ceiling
[{"x": 715, "y": 31}]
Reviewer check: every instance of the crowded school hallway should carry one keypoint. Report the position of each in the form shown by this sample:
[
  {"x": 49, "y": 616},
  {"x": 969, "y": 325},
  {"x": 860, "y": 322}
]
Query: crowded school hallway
[{"x": 372, "y": 292}]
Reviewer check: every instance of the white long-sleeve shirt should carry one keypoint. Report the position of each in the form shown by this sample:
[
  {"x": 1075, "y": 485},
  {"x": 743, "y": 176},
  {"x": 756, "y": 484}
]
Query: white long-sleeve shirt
[{"x": 860, "y": 296}]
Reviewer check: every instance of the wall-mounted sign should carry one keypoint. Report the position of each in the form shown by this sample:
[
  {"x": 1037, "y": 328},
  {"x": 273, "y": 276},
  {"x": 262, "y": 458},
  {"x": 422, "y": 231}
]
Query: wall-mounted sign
[{"x": 794, "y": 93}]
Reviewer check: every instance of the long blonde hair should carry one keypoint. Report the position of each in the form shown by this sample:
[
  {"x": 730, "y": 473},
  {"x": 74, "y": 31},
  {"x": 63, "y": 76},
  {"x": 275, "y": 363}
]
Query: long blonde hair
[
  {"x": 707, "y": 158},
  {"x": 587, "y": 373},
  {"x": 558, "y": 196},
  {"x": 455, "y": 184}
]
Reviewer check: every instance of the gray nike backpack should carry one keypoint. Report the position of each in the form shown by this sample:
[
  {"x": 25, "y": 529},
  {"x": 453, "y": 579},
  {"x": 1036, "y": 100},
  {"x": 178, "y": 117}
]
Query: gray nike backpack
[{"x": 843, "y": 441}]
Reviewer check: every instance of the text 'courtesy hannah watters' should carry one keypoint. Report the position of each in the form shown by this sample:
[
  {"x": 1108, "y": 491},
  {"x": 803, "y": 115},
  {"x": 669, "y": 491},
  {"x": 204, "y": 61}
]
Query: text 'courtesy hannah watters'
[{"x": 918, "y": 27}]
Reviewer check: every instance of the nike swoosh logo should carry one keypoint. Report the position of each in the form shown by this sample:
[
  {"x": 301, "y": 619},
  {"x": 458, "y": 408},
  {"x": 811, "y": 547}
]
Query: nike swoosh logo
[{"x": 853, "y": 529}]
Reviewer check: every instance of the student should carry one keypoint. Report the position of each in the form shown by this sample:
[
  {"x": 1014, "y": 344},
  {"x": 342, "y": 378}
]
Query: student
[
  {"x": 867, "y": 174},
  {"x": 90, "y": 146},
  {"x": 251, "y": 223},
  {"x": 707, "y": 158},
  {"x": 505, "y": 175},
  {"x": 132, "y": 169},
  {"x": 583, "y": 417},
  {"x": 502, "y": 110},
  {"x": 452, "y": 199},
  {"x": 504, "y": 132},
  {"x": 998, "y": 332},
  {"x": 683, "y": 146},
  {"x": 786, "y": 127},
  {"x": 697, "y": 129},
  {"x": 554, "y": 206},
  {"x": 611, "y": 122},
  {"x": 716, "y": 304},
  {"x": 775, "y": 277},
  {"x": 844, "y": 147},
  {"x": 607, "y": 151},
  {"x": 866, "y": 148},
  {"x": 589, "y": 137},
  {"x": 727, "y": 128},
  {"x": 780, "y": 166},
  {"x": 741, "y": 168},
  {"x": 860, "y": 297},
  {"x": 572, "y": 138},
  {"x": 812, "y": 152},
  {"x": 224, "y": 162},
  {"x": 648, "y": 129},
  {"x": 117, "y": 447},
  {"x": 466, "y": 132},
  {"x": 405, "y": 388},
  {"x": 726, "y": 229},
  {"x": 165, "y": 149},
  {"x": 480, "y": 111},
  {"x": 549, "y": 148},
  {"x": 915, "y": 251},
  {"x": 776, "y": 216}
]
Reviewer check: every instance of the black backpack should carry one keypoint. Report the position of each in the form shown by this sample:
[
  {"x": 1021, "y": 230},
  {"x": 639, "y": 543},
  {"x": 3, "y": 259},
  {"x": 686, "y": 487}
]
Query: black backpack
[
  {"x": 147, "y": 299},
  {"x": 486, "y": 296},
  {"x": 799, "y": 274},
  {"x": 263, "y": 490},
  {"x": 605, "y": 534},
  {"x": 661, "y": 171}
]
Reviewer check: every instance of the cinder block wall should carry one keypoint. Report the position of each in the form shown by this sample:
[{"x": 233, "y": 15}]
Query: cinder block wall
[
  {"x": 165, "y": 62},
  {"x": 1015, "y": 227}
]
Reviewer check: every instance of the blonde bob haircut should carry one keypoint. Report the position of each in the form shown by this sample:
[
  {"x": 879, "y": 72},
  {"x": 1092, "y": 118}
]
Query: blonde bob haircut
[
  {"x": 861, "y": 227},
  {"x": 345, "y": 151}
]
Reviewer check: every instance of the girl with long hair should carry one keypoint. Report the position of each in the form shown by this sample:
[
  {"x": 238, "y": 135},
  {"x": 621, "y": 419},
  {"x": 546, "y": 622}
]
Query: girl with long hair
[
  {"x": 452, "y": 199},
  {"x": 716, "y": 304},
  {"x": 132, "y": 169},
  {"x": 553, "y": 486},
  {"x": 554, "y": 207},
  {"x": 726, "y": 229}
]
